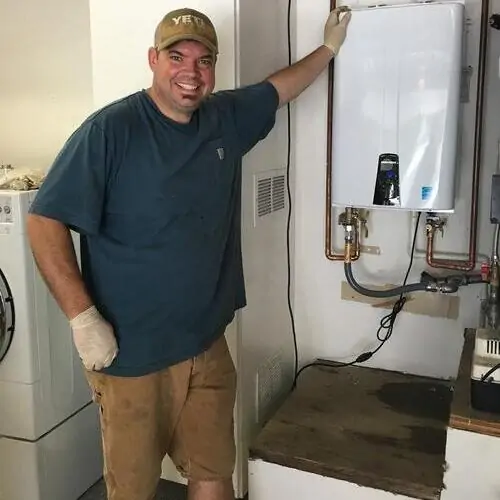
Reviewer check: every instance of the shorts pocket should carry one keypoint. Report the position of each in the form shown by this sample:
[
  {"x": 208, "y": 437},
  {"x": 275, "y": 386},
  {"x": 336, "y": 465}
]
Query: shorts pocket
[{"x": 96, "y": 384}]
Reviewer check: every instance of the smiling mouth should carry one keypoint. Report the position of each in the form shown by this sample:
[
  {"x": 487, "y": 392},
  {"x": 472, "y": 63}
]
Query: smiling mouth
[{"x": 188, "y": 87}]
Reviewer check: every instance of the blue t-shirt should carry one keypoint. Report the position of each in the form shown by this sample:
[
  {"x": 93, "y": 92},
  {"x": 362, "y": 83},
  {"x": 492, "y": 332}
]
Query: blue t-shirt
[{"x": 157, "y": 205}]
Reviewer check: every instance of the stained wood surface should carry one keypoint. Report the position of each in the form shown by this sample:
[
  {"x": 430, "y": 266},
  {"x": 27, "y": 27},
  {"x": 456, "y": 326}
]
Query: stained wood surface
[{"x": 375, "y": 428}]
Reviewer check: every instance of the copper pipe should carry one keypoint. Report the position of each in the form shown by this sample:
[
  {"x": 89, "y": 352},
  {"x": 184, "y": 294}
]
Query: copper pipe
[
  {"x": 470, "y": 263},
  {"x": 458, "y": 265},
  {"x": 329, "y": 251}
]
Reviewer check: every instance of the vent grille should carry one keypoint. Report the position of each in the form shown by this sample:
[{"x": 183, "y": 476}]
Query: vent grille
[
  {"x": 264, "y": 197},
  {"x": 278, "y": 193},
  {"x": 493, "y": 347},
  {"x": 270, "y": 195}
]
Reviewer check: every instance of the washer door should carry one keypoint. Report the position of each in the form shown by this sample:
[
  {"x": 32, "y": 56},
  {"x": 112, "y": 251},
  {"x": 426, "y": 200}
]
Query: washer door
[{"x": 7, "y": 316}]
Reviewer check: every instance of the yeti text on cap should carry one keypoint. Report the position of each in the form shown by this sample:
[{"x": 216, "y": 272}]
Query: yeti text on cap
[{"x": 188, "y": 19}]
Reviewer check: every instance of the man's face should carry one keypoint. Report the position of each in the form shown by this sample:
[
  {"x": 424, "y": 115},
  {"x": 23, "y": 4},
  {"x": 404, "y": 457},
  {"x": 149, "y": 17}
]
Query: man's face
[{"x": 183, "y": 75}]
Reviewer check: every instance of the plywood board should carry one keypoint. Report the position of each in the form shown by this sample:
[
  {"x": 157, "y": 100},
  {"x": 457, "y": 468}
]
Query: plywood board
[{"x": 436, "y": 305}]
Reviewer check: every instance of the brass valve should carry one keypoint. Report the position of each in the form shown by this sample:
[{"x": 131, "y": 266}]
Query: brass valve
[{"x": 435, "y": 223}]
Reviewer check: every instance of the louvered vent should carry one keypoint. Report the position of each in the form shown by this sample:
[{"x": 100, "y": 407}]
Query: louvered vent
[
  {"x": 493, "y": 347},
  {"x": 270, "y": 194},
  {"x": 264, "y": 197},
  {"x": 278, "y": 192}
]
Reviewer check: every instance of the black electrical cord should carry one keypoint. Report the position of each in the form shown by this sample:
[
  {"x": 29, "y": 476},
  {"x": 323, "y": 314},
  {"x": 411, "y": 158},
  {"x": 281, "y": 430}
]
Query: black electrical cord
[
  {"x": 386, "y": 323},
  {"x": 289, "y": 192},
  {"x": 490, "y": 372}
]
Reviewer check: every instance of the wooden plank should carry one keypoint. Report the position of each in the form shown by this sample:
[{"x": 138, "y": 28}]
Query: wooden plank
[
  {"x": 375, "y": 428},
  {"x": 463, "y": 415},
  {"x": 435, "y": 305}
]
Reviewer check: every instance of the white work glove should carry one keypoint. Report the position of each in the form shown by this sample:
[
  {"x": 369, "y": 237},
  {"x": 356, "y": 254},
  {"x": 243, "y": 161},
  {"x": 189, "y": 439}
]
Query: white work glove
[
  {"x": 94, "y": 339},
  {"x": 336, "y": 28}
]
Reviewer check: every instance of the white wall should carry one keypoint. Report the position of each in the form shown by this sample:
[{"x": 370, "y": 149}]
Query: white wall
[
  {"x": 45, "y": 78},
  {"x": 331, "y": 328}
]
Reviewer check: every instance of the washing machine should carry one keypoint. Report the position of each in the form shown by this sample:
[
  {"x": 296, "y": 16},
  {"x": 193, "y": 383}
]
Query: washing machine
[{"x": 50, "y": 444}]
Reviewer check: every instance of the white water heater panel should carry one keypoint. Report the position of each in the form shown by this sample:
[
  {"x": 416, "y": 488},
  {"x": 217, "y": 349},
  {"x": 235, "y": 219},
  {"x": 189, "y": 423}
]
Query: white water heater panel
[{"x": 396, "y": 108}]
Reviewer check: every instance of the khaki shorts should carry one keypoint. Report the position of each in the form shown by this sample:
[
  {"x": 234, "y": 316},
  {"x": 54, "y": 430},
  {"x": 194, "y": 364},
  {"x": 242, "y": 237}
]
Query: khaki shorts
[{"x": 185, "y": 411}]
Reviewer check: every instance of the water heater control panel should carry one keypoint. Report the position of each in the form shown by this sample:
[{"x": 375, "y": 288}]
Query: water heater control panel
[{"x": 387, "y": 181}]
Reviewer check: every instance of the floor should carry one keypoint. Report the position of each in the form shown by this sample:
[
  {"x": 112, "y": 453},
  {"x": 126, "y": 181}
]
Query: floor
[{"x": 166, "y": 491}]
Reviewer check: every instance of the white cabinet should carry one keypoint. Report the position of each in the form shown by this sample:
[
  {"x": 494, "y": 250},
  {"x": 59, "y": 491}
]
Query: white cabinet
[
  {"x": 270, "y": 481},
  {"x": 471, "y": 466}
]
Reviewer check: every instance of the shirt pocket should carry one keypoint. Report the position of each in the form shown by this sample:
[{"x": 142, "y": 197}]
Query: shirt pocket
[
  {"x": 217, "y": 182},
  {"x": 216, "y": 161}
]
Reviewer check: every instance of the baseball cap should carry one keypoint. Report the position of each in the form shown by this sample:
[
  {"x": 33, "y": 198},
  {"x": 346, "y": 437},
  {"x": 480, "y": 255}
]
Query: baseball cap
[{"x": 186, "y": 24}]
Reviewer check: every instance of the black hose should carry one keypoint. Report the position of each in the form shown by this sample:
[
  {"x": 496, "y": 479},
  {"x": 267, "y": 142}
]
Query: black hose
[
  {"x": 454, "y": 280},
  {"x": 400, "y": 290},
  {"x": 475, "y": 279}
]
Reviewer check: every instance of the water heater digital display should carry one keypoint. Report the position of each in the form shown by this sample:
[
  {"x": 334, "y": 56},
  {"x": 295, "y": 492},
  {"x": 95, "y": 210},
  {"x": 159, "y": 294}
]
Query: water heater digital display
[
  {"x": 396, "y": 108},
  {"x": 387, "y": 181}
]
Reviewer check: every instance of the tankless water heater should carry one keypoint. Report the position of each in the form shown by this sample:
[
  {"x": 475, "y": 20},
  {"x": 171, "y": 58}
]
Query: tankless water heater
[{"x": 395, "y": 108}]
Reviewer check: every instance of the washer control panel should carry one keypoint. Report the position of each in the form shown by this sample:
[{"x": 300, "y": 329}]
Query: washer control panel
[{"x": 6, "y": 212}]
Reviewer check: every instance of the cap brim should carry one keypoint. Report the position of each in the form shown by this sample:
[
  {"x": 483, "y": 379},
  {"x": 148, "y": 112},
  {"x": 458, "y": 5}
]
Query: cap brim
[{"x": 180, "y": 38}]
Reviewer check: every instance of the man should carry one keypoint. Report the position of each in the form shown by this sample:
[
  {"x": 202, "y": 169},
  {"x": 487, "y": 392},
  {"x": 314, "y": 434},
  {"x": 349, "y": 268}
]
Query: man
[{"x": 152, "y": 185}]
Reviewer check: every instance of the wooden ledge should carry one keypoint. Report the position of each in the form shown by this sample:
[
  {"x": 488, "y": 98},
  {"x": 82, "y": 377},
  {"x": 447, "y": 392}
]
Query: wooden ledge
[
  {"x": 463, "y": 416},
  {"x": 375, "y": 428}
]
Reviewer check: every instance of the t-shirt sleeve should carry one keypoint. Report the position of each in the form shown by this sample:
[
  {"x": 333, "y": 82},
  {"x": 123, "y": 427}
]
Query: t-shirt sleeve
[
  {"x": 254, "y": 113},
  {"x": 74, "y": 189}
]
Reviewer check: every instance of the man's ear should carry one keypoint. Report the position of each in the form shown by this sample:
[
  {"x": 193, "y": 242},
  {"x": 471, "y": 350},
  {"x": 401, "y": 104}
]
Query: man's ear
[{"x": 152, "y": 57}]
